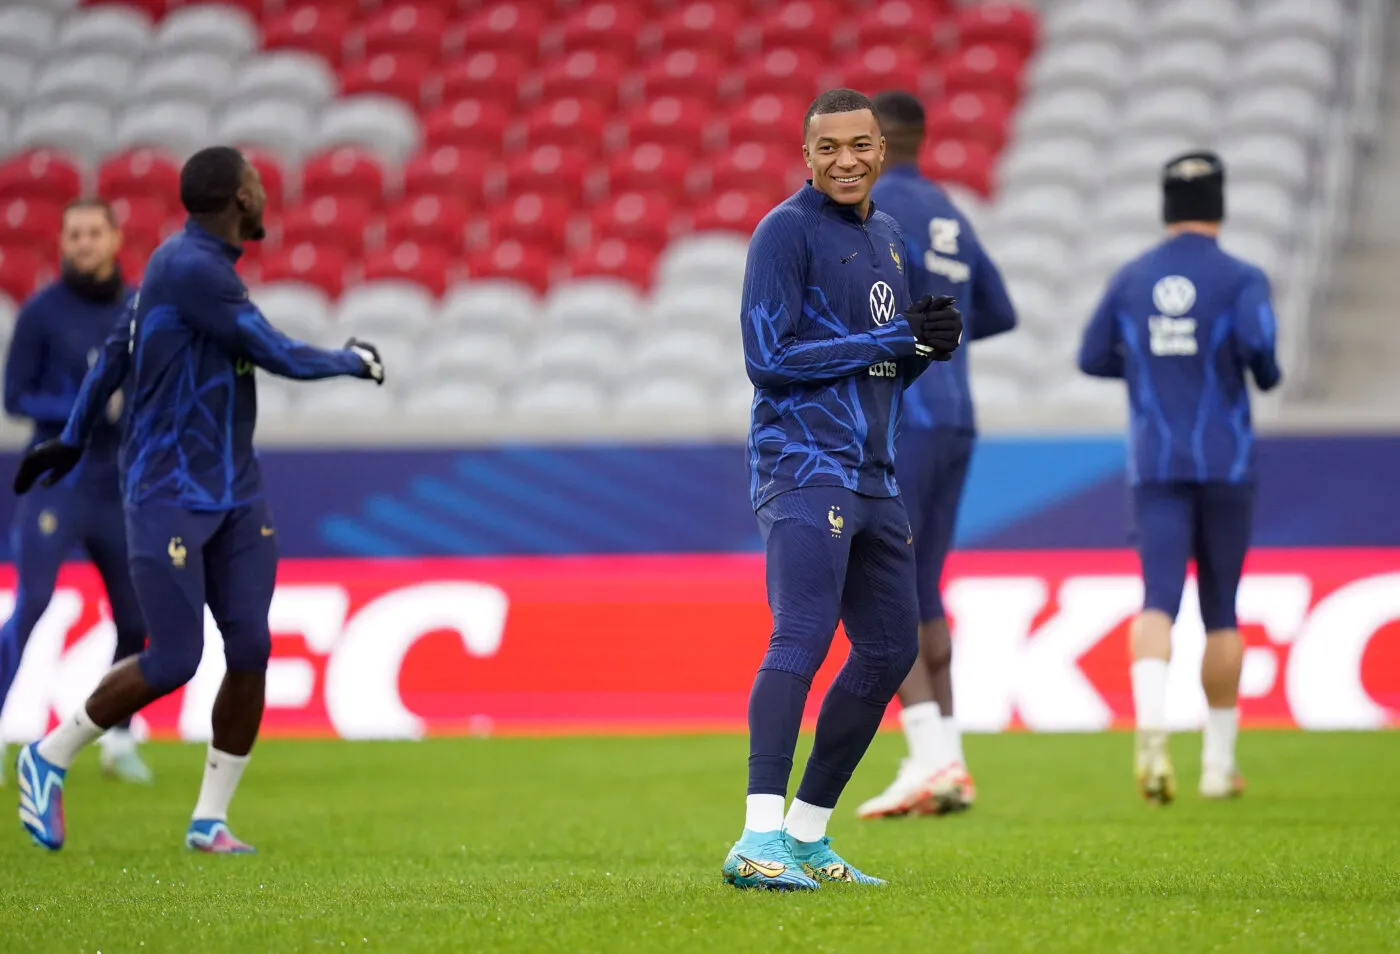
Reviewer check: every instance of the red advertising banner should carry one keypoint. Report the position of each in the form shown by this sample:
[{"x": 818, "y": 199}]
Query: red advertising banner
[{"x": 404, "y": 648}]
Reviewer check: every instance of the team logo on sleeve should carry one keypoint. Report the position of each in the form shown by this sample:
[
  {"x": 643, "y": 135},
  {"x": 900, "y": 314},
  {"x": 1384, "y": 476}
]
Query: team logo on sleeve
[
  {"x": 1174, "y": 295},
  {"x": 881, "y": 303}
]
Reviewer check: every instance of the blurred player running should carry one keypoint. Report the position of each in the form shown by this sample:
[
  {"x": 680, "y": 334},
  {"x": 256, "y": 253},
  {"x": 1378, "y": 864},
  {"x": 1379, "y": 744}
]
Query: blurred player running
[
  {"x": 831, "y": 340},
  {"x": 57, "y": 337},
  {"x": 198, "y": 527},
  {"x": 1183, "y": 324},
  {"x": 934, "y": 447}
]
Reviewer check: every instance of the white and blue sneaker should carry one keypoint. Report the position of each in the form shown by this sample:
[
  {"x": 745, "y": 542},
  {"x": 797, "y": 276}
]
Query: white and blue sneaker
[
  {"x": 212, "y": 836},
  {"x": 822, "y": 864},
  {"x": 764, "y": 860},
  {"x": 40, "y": 797}
]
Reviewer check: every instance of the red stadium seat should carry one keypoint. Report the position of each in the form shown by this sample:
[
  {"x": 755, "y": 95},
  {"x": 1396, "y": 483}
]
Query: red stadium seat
[
  {"x": 614, "y": 258},
  {"x": 468, "y": 123},
  {"x": 985, "y": 69},
  {"x": 488, "y": 76},
  {"x": 679, "y": 73},
  {"x": 415, "y": 28},
  {"x": 601, "y": 26},
  {"x": 644, "y": 217},
  {"x": 448, "y": 171},
  {"x": 526, "y": 264},
  {"x": 318, "y": 28},
  {"x": 571, "y": 122},
  {"x": 32, "y": 222},
  {"x": 800, "y": 24},
  {"x": 423, "y": 265},
  {"x": 963, "y": 163},
  {"x": 40, "y": 174},
  {"x": 133, "y": 256},
  {"x": 436, "y": 220},
  {"x": 733, "y": 211},
  {"x": 536, "y": 219},
  {"x": 550, "y": 169},
  {"x": 140, "y": 173},
  {"x": 650, "y": 168},
  {"x": 983, "y": 117},
  {"x": 21, "y": 271},
  {"x": 666, "y": 121},
  {"x": 142, "y": 219},
  {"x": 997, "y": 23},
  {"x": 329, "y": 221},
  {"x": 785, "y": 71},
  {"x": 584, "y": 74},
  {"x": 700, "y": 25},
  {"x": 510, "y": 27},
  {"x": 758, "y": 167},
  {"x": 322, "y": 266},
  {"x": 274, "y": 177},
  {"x": 880, "y": 68},
  {"x": 906, "y": 23},
  {"x": 344, "y": 172},
  {"x": 400, "y": 75},
  {"x": 775, "y": 119}
]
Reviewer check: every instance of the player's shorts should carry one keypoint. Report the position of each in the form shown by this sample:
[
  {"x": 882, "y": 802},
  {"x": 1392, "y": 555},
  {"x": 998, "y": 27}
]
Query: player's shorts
[
  {"x": 931, "y": 467},
  {"x": 1176, "y": 522},
  {"x": 836, "y": 556},
  {"x": 182, "y": 560}
]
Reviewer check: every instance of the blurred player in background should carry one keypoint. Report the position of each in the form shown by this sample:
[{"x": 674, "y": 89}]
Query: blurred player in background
[
  {"x": 1183, "y": 324},
  {"x": 198, "y": 525},
  {"x": 831, "y": 340},
  {"x": 57, "y": 337},
  {"x": 936, "y": 433}
]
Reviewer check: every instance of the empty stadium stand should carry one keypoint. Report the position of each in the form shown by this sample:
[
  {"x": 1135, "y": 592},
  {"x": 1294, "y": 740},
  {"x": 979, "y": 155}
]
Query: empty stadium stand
[{"x": 540, "y": 209}]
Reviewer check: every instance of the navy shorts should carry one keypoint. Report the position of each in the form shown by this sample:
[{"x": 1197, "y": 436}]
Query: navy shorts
[
  {"x": 931, "y": 467},
  {"x": 182, "y": 560},
  {"x": 1174, "y": 523},
  {"x": 836, "y": 556}
]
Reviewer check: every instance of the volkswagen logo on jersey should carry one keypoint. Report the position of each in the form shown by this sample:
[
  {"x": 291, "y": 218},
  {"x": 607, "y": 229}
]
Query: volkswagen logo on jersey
[
  {"x": 1174, "y": 295},
  {"x": 881, "y": 303}
]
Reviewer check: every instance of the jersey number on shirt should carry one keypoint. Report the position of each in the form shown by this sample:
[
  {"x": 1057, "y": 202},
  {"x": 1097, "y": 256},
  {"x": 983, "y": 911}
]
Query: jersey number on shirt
[{"x": 943, "y": 242}]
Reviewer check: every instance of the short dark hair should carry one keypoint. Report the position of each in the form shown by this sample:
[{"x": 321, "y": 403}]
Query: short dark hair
[
  {"x": 91, "y": 202},
  {"x": 895, "y": 107},
  {"x": 836, "y": 101},
  {"x": 210, "y": 179}
]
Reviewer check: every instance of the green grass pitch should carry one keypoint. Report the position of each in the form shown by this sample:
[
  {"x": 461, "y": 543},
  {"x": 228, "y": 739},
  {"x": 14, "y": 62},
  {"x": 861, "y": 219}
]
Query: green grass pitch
[{"x": 591, "y": 844}]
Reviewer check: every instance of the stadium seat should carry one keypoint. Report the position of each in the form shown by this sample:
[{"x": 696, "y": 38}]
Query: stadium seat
[
  {"x": 598, "y": 26},
  {"x": 801, "y": 24},
  {"x": 293, "y": 75},
  {"x": 346, "y": 172},
  {"x": 380, "y": 123},
  {"x": 389, "y": 307},
  {"x": 1322, "y": 21},
  {"x": 216, "y": 29},
  {"x": 965, "y": 163},
  {"x": 1263, "y": 207},
  {"x": 668, "y": 395},
  {"x": 732, "y": 211},
  {"x": 563, "y": 398},
  {"x": 550, "y": 170},
  {"x": 709, "y": 25},
  {"x": 783, "y": 71},
  {"x": 140, "y": 173},
  {"x": 481, "y": 302},
  {"x": 142, "y": 219},
  {"x": 120, "y": 31},
  {"x": 586, "y": 355},
  {"x": 1133, "y": 207},
  {"x": 713, "y": 260},
  {"x": 42, "y": 175},
  {"x": 1085, "y": 111},
  {"x": 489, "y": 76},
  {"x": 992, "y": 22},
  {"x": 540, "y": 220},
  {"x": 178, "y": 127},
  {"x": 593, "y": 304},
  {"x": 509, "y": 27},
  {"x": 573, "y": 123},
  {"x": 1189, "y": 112},
  {"x": 882, "y": 67},
  {"x": 299, "y": 310},
  {"x": 399, "y": 28},
  {"x": 684, "y": 72},
  {"x": 985, "y": 68},
  {"x": 1282, "y": 160},
  {"x": 586, "y": 74},
  {"x": 1196, "y": 18},
  {"x": 983, "y": 117},
  {"x": 327, "y": 222},
  {"x": 1277, "y": 109},
  {"x": 665, "y": 121},
  {"x": 402, "y": 76},
  {"x": 102, "y": 78},
  {"x": 192, "y": 77},
  {"x": 1112, "y": 21},
  {"x": 644, "y": 217},
  {"x": 670, "y": 350},
  {"x": 614, "y": 258},
  {"x": 344, "y": 397},
  {"x": 320, "y": 266},
  {"x": 1072, "y": 161},
  {"x": 279, "y": 126},
  {"x": 1291, "y": 61},
  {"x": 754, "y": 166},
  {"x": 437, "y": 220},
  {"x": 1052, "y": 209},
  {"x": 82, "y": 129},
  {"x": 767, "y": 119},
  {"x": 21, "y": 271},
  {"x": 649, "y": 168},
  {"x": 312, "y": 28},
  {"x": 16, "y": 76},
  {"x": 892, "y": 23},
  {"x": 457, "y": 399},
  {"x": 26, "y": 31},
  {"x": 29, "y": 222},
  {"x": 1089, "y": 62},
  {"x": 478, "y": 357},
  {"x": 513, "y": 260},
  {"x": 448, "y": 171},
  {"x": 468, "y": 123},
  {"x": 1139, "y": 160},
  {"x": 272, "y": 173},
  {"x": 1203, "y": 64}
]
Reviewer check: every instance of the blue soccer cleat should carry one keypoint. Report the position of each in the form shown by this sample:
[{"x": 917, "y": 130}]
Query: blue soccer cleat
[
  {"x": 40, "y": 797},
  {"x": 822, "y": 864},
  {"x": 764, "y": 860},
  {"x": 211, "y": 835}
]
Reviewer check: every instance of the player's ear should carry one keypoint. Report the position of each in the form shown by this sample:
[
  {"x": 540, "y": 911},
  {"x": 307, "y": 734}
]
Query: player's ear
[{"x": 807, "y": 155}]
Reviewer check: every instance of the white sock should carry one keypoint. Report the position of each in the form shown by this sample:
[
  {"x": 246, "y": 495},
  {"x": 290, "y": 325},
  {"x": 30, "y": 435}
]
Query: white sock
[
  {"x": 806, "y": 822},
  {"x": 953, "y": 735},
  {"x": 1150, "y": 694},
  {"x": 1218, "y": 743},
  {"x": 923, "y": 728},
  {"x": 221, "y": 774},
  {"x": 61, "y": 746},
  {"x": 118, "y": 742},
  {"x": 763, "y": 812}
]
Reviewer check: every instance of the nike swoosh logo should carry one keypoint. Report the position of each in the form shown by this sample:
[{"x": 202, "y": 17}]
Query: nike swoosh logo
[{"x": 769, "y": 869}]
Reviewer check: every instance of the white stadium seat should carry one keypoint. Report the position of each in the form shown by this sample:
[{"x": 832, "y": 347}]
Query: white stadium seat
[
  {"x": 602, "y": 303},
  {"x": 213, "y": 28},
  {"x": 194, "y": 77},
  {"x": 378, "y": 123},
  {"x": 179, "y": 127},
  {"x": 81, "y": 128},
  {"x": 1117, "y": 21},
  {"x": 495, "y": 303},
  {"x": 26, "y": 31},
  {"x": 1200, "y": 63},
  {"x": 584, "y": 354},
  {"x": 1180, "y": 19},
  {"x": 102, "y": 78},
  {"x": 283, "y": 75},
  {"x": 374, "y": 309},
  {"x": 283, "y": 127},
  {"x": 299, "y": 310},
  {"x": 1319, "y": 20},
  {"x": 560, "y": 397},
  {"x": 109, "y": 28},
  {"x": 1282, "y": 160},
  {"x": 1072, "y": 111},
  {"x": 1092, "y": 63},
  {"x": 471, "y": 356},
  {"x": 1290, "y": 61},
  {"x": 454, "y": 399}
]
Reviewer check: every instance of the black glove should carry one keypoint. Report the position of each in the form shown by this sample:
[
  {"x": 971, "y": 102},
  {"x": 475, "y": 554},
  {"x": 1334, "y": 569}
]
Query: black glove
[
  {"x": 51, "y": 460},
  {"x": 369, "y": 354},
  {"x": 937, "y": 326}
]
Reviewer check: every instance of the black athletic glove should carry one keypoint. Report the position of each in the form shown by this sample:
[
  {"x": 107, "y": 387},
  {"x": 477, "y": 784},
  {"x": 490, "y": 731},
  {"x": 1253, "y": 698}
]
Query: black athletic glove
[
  {"x": 369, "y": 354},
  {"x": 937, "y": 326},
  {"x": 51, "y": 460}
]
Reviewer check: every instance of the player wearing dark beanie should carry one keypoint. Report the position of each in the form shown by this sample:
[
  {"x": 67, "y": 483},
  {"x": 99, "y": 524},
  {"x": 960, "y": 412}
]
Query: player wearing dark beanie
[{"x": 1193, "y": 188}]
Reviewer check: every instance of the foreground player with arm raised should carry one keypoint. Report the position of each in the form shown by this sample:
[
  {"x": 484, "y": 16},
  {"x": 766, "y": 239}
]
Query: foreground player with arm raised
[
  {"x": 934, "y": 448},
  {"x": 57, "y": 337},
  {"x": 1184, "y": 325},
  {"x": 198, "y": 527},
  {"x": 831, "y": 340}
]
